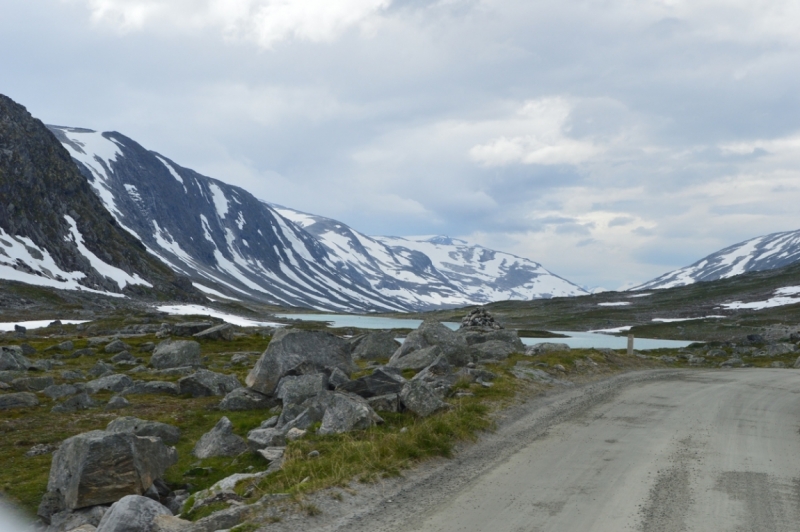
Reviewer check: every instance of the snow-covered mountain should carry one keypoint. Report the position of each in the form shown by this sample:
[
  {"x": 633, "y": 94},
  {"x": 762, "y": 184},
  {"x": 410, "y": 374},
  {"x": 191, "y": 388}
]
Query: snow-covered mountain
[
  {"x": 233, "y": 245},
  {"x": 761, "y": 253},
  {"x": 55, "y": 232}
]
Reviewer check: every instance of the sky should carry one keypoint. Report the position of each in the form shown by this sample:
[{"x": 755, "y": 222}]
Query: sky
[{"x": 610, "y": 140}]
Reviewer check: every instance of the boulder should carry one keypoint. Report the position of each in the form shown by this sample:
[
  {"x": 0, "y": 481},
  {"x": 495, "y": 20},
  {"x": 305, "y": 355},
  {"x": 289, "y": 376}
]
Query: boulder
[
  {"x": 81, "y": 401},
  {"x": 416, "y": 360},
  {"x": 223, "y": 331},
  {"x": 132, "y": 513},
  {"x": 190, "y": 328},
  {"x": 114, "y": 383},
  {"x": 175, "y": 354},
  {"x": 58, "y": 391},
  {"x": 85, "y": 352},
  {"x": 100, "y": 467},
  {"x": 479, "y": 335},
  {"x": 347, "y": 412},
  {"x": 124, "y": 357},
  {"x": 204, "y": 383},
  {"x": 170, "y": 523},
  {"x": 78, "y": 520},
  {"x": 147, "y": 347},
  {"x": 12, "y": 359},
  {"x": 545, "y": 347},
  {"x": 246, "y": 399},
  {"x": 305, "y": 414},
  {"x": 101, "y": 369},
  {"x": 385, "y": 403},
  {"x": 776, "y": 350},
  {"x": 117, "y": 403},
  {"x": 755, "y": 339},
  {"x": 797, "y": 363},
  {"x": 262, "y": 438},
  {"x": 731, "y": 362},
  {"x": 297, "y": 352},
  {"x": 382, "y": 381},
  {"x": 497, "y": 349},
  {"x": 418, "y": 398},
  {"x": 294, "y": 390},
  {"x": 70, "y": 375},
  {"x": 220, "y": 441},
  {"x": 117, "y": 346},
  {"x": 169, "y": 434},
  {"x": 438, "y": 377},
  {"x": 374, "y": 346},
  {"x": 151, "y": 388},
  {"x": 9, "y": 401},
  {"x": 32, "y": 384},
  {"x": 454, "y": 346},
  {"x": 337, "y": 378},
  {"x": 63, "y": 346}
]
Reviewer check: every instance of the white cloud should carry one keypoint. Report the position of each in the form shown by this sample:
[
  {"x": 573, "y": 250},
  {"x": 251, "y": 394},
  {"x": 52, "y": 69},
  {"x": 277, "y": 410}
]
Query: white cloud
[
  {"x": 264, "y": 22},
  {"x": 545, "y": 142}
]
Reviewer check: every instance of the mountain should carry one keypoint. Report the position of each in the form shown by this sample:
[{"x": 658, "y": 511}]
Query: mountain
[
  {"x": 235, "y": 246},
  {"x": 54, "y": 230},
  {"x": 761, "y": 253}
]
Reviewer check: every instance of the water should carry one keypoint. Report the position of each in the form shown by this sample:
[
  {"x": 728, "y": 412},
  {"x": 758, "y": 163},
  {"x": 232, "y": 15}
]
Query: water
[{"x": 577, "y": 339}]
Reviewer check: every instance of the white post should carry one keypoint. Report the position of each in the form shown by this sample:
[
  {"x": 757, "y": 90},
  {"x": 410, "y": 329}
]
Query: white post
[{"x": 630, "y": 344}]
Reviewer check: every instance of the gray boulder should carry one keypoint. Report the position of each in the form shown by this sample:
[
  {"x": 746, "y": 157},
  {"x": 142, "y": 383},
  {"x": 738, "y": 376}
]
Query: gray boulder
[
  {"x": 497, "y": 349},
  {"x": 58, "y": 391},
  {"x": 100, "y": 467},
  {"x": 382, "y": 381},
  {"x": 296, "y": 389},
  {"x": 9, "y": 401},
  {"x": 63, "y": 346},
  {"x": 731, "y": 362},
  {"x": 246, "y": 399},
  {"x": 204, "y": 383},
  {"x": 346, "y": 413},
  {"x": 132, "y": 513},
  {"x": 147, "y": 347},
  {"x": 797, "y": 363},
  {"x": 32, "y": 384},
  {"x": 70, "y": 375},
  {"x": 190, "y": 328},
  {"x": 454, "y": 346},
  {"x": 479, "y": 335},
  {"x": 169, "y": 434},
  {"x": 438, "y": 377},
  {"x": 175, "y": 354},
  {"x": 416, "y": 360},
  {"x": 151, "y": 388},
  {"x": 297, "y": 352},
  {"x": 218, "y": 332},
  {"x": 776, "y": 350},
  {"x": 85, "y": 352},
  {"x": 374, "y": 346},
  {"x": 117, "y": 403},
  {"x": 12, "y": 359},
  {"x": 385, "y": 403},
  {"x": 337, "y": 378},
  {"x": 114, "y": 383},
  {"x": 81, "y": 401},
  {"x": 117, "y": 346},
  {"x": 101, "y": 369},
  {"x": 265, "y": 437},
  {"x": 124, "y": 357},
  {"x": 220, "y": 441},
  {"x": 418, "y": 398},
  {"x": 77, "y": 520}
]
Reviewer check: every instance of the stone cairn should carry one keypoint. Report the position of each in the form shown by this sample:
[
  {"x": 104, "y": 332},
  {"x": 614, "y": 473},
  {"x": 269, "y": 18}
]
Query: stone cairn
[{"x": 479, "y": 317}]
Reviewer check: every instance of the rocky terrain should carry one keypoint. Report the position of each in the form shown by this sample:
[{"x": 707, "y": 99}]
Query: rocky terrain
[{"x": 170, "y": 425}]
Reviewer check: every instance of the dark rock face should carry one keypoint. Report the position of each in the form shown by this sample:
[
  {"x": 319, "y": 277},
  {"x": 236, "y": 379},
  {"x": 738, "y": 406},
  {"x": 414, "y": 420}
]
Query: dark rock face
[
  {"x": 101, "y": 467},
  {"x": 176, "y": 354},
  {"x": 169, "y": 434},
  {"x": 42, "y": 188},
  {"x": 296, "y": 352},
  {"x": 132, "y": 513}
]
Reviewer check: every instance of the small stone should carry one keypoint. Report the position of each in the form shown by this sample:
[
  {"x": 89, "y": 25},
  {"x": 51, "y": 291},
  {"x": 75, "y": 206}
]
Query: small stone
[
  {"x": 313, "y": 454},
  {"x": 117, "y": 403}
]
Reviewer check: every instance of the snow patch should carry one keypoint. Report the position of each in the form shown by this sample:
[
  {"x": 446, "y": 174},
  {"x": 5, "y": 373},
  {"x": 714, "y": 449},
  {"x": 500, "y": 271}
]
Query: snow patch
[
  {"x": 189, "y": 310},
  {"x": 220, "y": 201}
]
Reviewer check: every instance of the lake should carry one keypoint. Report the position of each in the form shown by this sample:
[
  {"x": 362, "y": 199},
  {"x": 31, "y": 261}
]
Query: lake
[{"x": 577, "y": 339}]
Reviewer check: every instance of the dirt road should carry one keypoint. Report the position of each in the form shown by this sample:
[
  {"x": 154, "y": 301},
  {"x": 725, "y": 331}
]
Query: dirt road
[{"x": 652, "y": 452}]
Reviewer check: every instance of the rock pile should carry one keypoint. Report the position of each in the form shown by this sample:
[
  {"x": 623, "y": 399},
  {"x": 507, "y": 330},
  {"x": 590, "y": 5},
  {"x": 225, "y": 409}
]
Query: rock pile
[{"x": 480, "y": 317}]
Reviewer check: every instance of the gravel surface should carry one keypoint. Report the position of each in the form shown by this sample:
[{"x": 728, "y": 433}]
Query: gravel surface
[{"x": 647, "y": 451}]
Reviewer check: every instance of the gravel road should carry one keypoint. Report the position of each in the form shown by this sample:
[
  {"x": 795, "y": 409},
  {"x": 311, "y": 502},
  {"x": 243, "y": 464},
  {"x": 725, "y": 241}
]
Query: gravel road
[{"x": 649, "y": 451}]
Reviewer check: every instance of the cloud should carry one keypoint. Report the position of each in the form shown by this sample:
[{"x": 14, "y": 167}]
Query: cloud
[
  {"x": 263, "y": 22},
  {"x": 545, "y": 142}
]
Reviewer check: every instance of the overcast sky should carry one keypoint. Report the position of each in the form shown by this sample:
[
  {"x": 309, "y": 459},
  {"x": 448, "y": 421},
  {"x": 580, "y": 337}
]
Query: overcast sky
[{"x": 610, "y": 140}]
